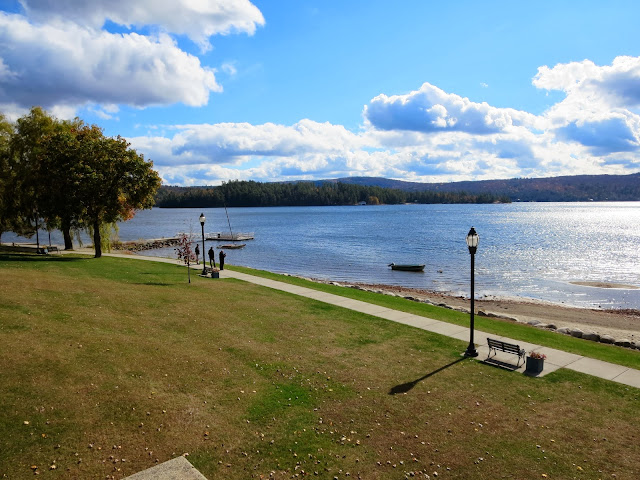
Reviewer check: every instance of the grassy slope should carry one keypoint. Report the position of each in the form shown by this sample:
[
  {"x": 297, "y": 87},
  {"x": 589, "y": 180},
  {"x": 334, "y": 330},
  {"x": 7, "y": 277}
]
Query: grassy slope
[
  {"x": 607, "y": 353},
  {"x": 111, "y": 359}
]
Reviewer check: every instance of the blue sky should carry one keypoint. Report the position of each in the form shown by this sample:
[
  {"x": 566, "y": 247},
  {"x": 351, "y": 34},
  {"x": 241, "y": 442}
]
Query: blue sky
[{"x": 426, "y": 91}]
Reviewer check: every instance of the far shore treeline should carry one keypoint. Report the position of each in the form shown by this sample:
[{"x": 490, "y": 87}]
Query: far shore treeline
[{"x": 255, "y": 194}]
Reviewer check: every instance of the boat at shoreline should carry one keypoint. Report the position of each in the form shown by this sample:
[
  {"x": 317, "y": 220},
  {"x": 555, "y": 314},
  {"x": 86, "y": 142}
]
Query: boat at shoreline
[
  {"x": 229, "y": 236},
  {"x": 407, "y": 267},
  {"x": 232, "y": 246}
]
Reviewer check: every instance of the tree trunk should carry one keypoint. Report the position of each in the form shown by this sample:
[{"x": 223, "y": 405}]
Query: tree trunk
[
  {"x": 66, "y": 233},
  {"x": 97, "y": 242}
]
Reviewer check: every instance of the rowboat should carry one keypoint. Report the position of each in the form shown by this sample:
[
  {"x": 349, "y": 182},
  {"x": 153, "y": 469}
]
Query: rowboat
[
  {"x": 407, "y": 267},
  {"x": 233, "y": 245}
]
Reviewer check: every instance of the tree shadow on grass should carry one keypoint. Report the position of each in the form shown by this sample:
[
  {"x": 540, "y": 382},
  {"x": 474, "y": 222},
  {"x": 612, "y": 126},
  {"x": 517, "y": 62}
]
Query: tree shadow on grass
[
  {"x": 405, "y": 387},
  {"x": 16, "y": 257}
]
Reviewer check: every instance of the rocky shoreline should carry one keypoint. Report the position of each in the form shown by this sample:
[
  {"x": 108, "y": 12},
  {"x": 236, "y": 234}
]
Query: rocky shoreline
[{"x": 142, "y": 245}]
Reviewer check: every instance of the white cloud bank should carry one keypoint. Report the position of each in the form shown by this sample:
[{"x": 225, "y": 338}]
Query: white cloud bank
[
  {"x": 429, "y": 135},
  {"x": 52, "y": 65},
  {"x": 57, "y": 55},
  {"x": 431, "y": 110},
  {"x": 599, "y": 111},
  {"x": 198, "y": 20}
]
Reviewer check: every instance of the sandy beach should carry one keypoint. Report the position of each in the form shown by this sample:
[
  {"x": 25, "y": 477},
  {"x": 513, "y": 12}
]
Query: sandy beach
[{"x": 616, "y": 323}]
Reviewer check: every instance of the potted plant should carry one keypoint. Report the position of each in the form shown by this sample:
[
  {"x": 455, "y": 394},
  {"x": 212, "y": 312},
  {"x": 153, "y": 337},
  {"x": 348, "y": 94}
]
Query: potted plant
[{"x": 535, "y": 362}]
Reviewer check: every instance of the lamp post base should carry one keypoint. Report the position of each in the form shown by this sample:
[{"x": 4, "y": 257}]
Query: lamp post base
[{"x": 471, "y": 351}]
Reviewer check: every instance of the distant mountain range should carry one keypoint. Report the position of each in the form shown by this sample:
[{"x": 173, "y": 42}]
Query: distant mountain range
[{"x": 554, "y": 189}]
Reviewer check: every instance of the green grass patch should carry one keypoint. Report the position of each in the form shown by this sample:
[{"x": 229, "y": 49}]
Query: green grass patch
[
  {"x": 111, "y": 366},
  {"x": 607, "y": 353}
]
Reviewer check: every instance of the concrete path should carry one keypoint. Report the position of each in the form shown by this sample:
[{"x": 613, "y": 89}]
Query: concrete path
[{"x": 178, "y": 468}]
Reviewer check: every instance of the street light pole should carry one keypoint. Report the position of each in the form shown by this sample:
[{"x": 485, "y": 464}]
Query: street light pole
[
  {"x": 204, "y": 264},
  {"x": 472, "y": 243}
]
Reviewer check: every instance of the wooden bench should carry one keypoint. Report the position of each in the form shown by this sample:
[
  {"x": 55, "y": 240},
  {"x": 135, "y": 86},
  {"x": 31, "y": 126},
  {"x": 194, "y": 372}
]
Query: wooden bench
[
  {"x": 495, "y": 345},
  {"x": 52, "y": 248}
]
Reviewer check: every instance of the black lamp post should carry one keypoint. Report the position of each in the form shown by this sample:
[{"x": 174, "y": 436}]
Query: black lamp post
[
  {"x": 472, "y": 243},
  {"x": 204, "y": 264}
]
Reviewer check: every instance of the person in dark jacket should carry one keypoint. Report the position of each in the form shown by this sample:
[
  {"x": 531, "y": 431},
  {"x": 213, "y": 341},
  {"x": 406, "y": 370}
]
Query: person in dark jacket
[
  {"x": 197, "y": 254},
  {"x": 222, "y": 256},
  {"x": 212, "y": 258}
]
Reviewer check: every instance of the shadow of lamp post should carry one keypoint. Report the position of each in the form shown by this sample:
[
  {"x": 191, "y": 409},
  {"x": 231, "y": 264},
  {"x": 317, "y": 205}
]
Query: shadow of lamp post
[
  {"x": 472, "y": 243},
  {"x": 204, "y": 264}
]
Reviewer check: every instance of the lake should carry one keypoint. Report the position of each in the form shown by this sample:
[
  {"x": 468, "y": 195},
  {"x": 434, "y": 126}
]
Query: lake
[{"x": 530, "y": 250}]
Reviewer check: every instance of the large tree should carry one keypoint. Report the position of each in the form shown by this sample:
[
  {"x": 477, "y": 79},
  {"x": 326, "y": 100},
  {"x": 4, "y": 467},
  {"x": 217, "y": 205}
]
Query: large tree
[
  {"x": 69, "y": 175},
  {"x": 24, "y": 190},
  {"x": 113, "y": 180},
  {"x": 60, "y": 168}
]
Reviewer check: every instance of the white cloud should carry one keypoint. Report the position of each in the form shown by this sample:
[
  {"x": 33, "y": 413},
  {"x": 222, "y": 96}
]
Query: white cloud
[
  {"x": 430, "y": 109},
  {"x": 196, "y": 19},
  {"x": 226, "y": 142},
  {"x": 229, "y": 68},
  {"x": 210, "y": 154},
  {"x": 68, "y": 65},
  {"x": 617, "y": 85},
  {"x": 599, "y": 109}
]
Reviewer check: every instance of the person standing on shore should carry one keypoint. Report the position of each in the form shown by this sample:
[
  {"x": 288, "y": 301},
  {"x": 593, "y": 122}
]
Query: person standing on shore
[
  {"x": 212, "y": 258},
  {"x": 197, "y": 254},
  {"x": 222, "y": 256}
]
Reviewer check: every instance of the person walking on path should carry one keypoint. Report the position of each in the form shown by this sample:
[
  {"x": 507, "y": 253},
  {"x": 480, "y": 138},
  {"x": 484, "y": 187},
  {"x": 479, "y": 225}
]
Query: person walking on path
[
  {"x": 197, "y": 254},
  {"x": 222, "y": 256},
  {"x": 212, "y": 258}
]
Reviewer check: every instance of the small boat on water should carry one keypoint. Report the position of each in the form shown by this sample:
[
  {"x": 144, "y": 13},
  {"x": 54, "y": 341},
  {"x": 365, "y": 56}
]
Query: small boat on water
[
  {"x": 231, "y": 236},
  {"x": 227, "y": 236},
  {"x": 407, "y": 267},
  {"x": 233, "y": 245}
]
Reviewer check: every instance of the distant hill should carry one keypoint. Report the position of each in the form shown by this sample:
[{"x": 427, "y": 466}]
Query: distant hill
[{"x": 554, "y": 189}]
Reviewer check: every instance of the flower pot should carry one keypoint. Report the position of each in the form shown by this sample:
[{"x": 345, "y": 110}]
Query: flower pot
[{"x": 535, "y": 365}]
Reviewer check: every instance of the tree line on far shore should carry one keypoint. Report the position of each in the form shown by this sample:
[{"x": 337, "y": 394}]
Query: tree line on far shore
[
  {"x": 255, "y": 194},
  {"x": 69, "y": 176}
]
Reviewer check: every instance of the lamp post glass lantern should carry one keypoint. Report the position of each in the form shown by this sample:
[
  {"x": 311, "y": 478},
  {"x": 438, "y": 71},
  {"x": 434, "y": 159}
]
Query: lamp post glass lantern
[
  {"x": 204, "y": 264},
  {"x": 472, "y": 243}
]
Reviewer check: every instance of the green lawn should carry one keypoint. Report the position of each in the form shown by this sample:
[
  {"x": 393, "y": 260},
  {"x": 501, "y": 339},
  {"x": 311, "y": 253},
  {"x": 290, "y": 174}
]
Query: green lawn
[
  {"x": 110, "y": 365},
  {"x": 519, "y": 331}
]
